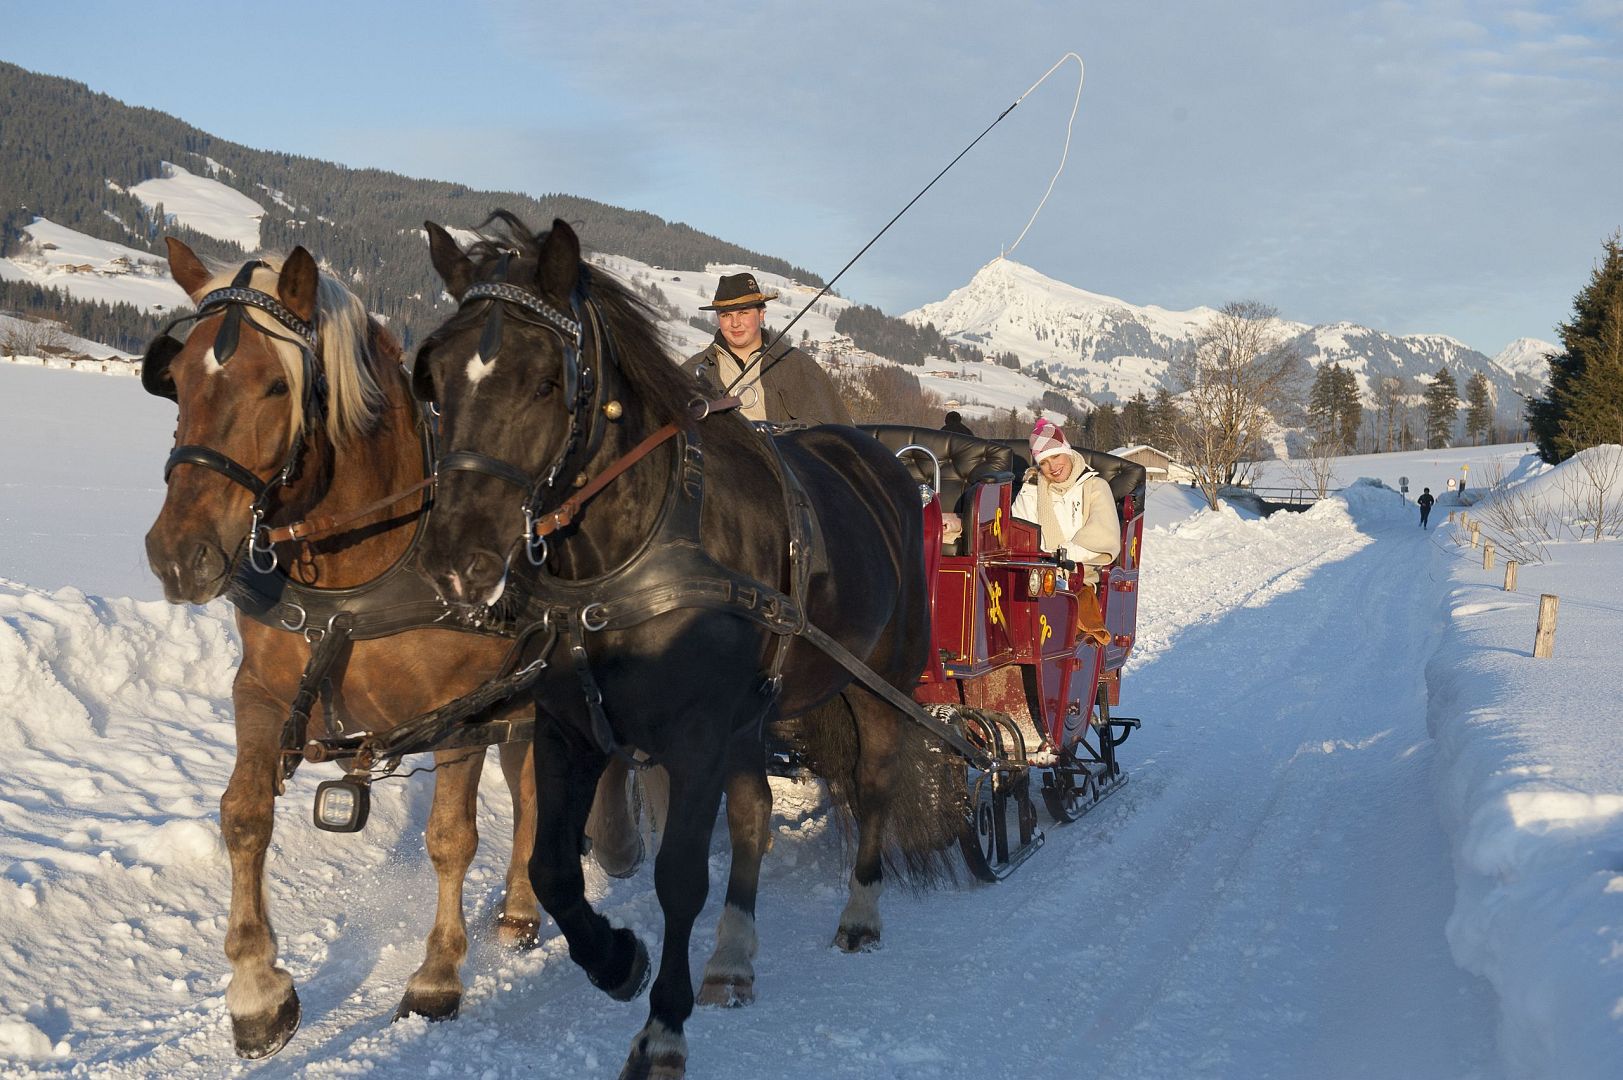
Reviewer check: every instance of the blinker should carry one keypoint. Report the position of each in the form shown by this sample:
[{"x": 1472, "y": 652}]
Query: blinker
[{"x": 161, "y": 352}]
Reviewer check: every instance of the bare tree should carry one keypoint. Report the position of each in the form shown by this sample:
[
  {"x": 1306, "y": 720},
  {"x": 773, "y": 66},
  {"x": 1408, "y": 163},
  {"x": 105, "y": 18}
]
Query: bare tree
[
  {"x": 31, "y": 337},
  {"x": 886, "y": 394},
  {"x": 1389, "y": 400},
  {"x": 1315, "y": 469},
  {"x": 1521, "y": 525},
  {"x": 1593, "y": 487},
  {"x": 1239, "y": 371}
]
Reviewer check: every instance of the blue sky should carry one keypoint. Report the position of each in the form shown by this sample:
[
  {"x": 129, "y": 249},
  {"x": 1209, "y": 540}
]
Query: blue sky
[{"x": 1416, "y": 167}]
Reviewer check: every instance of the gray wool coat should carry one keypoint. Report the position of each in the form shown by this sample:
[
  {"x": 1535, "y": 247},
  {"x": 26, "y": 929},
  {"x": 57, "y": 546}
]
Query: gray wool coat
[{"x": 797, "y": 391}]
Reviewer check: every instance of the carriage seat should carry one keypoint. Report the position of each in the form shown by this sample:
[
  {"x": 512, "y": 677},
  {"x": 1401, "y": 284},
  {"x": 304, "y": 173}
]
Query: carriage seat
[{"x": 965, "y": 460}]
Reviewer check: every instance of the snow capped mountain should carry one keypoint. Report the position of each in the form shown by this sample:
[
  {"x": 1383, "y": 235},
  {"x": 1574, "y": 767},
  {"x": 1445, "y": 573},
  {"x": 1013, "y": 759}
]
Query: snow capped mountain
[
  {"x": 1110, "y": 349},
  {"x": 1527, "y": 357},
  {"x": 1414, "y": 358},
  {"x": 1105, "y": 347}
]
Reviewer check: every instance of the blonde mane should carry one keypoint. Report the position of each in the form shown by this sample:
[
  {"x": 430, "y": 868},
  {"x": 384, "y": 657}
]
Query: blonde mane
[{"x": 355, "y": 399}]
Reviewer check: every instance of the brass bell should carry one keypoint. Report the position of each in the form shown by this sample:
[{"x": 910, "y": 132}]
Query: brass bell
[
  {"x": 580, "y": 479},
  {"x": 613, "y": 410}
]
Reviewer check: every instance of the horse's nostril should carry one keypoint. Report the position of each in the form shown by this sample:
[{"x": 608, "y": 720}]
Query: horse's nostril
[
  {"x": 207, "y": 562},
  {"x": 481, "y": 568}
]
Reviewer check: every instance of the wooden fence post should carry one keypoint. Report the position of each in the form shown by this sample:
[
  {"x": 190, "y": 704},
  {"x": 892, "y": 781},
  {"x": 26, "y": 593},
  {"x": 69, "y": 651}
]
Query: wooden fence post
[
  {"x": 1510, "y": 575},
  {"x": 1451, "y": 517},
  {"x": 1476, "y": 535},
  {"x": 1487, "y": 555},
  {"x": 1544, "y": 640}
]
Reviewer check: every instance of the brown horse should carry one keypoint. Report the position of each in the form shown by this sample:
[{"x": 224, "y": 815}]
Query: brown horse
[{"x": 243, "y": 382}]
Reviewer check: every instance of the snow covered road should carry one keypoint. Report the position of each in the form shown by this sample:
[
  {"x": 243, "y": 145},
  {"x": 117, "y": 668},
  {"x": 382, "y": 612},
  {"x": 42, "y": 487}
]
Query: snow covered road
[{"x": 1266, "y": 898}]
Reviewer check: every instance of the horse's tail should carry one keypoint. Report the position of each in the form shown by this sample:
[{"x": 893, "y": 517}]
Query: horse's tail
[{"x": 925, "y": 785}]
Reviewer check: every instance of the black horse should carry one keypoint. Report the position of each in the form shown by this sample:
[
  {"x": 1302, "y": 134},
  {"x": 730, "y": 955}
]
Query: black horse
[{"x": 680, "y": 592}]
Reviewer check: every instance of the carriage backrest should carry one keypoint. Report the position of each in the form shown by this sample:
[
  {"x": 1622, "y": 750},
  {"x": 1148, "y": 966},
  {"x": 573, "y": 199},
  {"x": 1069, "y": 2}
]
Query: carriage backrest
[{"x": 965, "y": 460}]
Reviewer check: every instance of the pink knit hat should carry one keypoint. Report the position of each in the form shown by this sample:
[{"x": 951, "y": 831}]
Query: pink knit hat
[{"x": 1047, "y": 440}]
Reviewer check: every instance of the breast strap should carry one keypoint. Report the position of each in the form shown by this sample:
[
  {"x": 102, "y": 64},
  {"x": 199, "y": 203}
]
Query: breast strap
[{"x": 673, "y": 571}]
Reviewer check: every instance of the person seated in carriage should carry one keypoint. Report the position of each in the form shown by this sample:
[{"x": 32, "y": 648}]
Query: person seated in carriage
[
  {"x": 1073, "y": 507},
  {"x": 788, "y": 386}
]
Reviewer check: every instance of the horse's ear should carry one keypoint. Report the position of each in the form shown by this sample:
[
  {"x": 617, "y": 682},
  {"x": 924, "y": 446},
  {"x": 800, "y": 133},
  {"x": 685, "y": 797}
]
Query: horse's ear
[
  {"x": 296, "y": 287},
  {"x": 559, "y": 266},
  {"x": 186, "y": 268},
  {"x": 450, "y": 261}
]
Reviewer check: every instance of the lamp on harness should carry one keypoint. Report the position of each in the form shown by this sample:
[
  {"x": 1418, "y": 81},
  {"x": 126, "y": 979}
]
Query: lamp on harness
[{"x": 342, "y": 806}]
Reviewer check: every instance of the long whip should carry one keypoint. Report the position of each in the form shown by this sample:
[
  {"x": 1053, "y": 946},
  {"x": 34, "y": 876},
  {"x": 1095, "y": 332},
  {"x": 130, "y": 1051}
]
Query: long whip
[{"x": 1081, "y": 75}]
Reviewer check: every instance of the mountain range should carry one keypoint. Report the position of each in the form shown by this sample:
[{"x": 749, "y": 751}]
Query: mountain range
[
  {"x": 1109, "y": 349},
  {"x": 100, "y": 243}
]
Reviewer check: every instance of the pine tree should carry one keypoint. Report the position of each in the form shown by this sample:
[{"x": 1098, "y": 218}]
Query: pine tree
[
  {"x": 1349, "y": 410},
  {"x": 1479, "y": 408},
  {"x": 1442, "y": 401},
  {"x": 1333, "y": 409},
  {"x": 1163, "y": 419},
  {"x": 1583, "y": 405},
  {"x": 1135, "y": 419},
  {"x": 1104, "y": 428}
]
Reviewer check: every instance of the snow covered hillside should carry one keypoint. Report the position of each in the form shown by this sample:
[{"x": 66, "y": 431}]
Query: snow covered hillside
[
  {"x": 1111, "y": 350},
  {"x": 89, "y": 269},
  {"x": 210, "y": 207},
  {"x": 1366, "y": 834}
]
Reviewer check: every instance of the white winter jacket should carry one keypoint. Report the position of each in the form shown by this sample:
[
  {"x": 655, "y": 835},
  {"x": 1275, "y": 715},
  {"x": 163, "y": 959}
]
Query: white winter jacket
[{"x": 1087, "y": 516}]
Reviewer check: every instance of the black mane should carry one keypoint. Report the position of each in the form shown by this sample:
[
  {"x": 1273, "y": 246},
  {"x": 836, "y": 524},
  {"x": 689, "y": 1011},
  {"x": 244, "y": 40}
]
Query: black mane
[{"x": 639, "y": 353}]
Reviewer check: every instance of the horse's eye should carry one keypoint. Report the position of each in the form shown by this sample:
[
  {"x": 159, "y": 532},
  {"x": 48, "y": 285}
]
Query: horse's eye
[
  {"x": 277, "y": 389},
  {"x": 546, "y": 388}
]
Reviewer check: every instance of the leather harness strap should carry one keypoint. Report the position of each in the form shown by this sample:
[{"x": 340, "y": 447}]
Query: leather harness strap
[{"x": 314, "y": 527}]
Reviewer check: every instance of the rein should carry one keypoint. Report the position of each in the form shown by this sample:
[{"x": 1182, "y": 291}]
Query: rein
[{"x": 565, "y": 514}]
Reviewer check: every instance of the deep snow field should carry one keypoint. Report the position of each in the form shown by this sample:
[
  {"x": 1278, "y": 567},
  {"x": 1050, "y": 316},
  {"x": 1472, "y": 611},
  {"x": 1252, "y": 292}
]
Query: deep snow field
[{"x": 1366, "y": 833}]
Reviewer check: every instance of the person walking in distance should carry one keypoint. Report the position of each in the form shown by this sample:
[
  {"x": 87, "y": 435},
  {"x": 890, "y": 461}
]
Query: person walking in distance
[{"x": 1424, "y": 502}]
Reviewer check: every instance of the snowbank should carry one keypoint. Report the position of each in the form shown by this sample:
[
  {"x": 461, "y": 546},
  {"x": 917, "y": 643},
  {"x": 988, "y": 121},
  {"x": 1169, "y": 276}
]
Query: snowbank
[{"x": 1531, "y": 791}]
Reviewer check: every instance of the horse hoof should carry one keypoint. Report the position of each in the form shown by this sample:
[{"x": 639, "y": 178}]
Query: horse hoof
[
  {"x": 727, "y": 991},
  {"x": 435, "y": 1006},
  {"x": 642, "y": 1066},
  {"x": 855, "y": 939},
  {"x": 261, "y": 1036},
  {"x": 618, "y": 864},
  {"x": 637, "y": 975},
  {"x": 518, "y": 933}
]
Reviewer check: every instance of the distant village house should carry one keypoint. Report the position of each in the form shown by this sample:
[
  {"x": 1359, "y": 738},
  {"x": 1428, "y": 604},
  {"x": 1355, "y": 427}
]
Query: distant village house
[{"x": 1157, "y": 463}]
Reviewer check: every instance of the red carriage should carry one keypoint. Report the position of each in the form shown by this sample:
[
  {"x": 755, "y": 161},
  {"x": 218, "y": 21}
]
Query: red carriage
[{"x": 1009, "y": 668}]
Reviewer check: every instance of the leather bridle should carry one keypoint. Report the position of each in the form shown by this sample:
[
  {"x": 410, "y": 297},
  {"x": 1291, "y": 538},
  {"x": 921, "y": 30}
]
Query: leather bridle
[
  {"x": 162, "y": 350},
  {"x": 583, "y": 387}
]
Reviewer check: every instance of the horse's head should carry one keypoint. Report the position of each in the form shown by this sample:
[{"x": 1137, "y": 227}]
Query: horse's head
[
  {"x": 517, "y": 405},
  {"x": 255, "y": 405}
]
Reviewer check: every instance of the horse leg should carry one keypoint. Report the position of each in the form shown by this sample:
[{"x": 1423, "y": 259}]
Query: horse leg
[
  {"x": 264, "y": 1006},
  {"x": 519, "y": 924},
  {"x": 877, "y": 734},
  {"x": 565, "y": 775},
  {"x": 729, "y": 977},
  {"x": 435, "y": 988},
  {"x": 613, "y": 828},
  {"x": 682, "y": 880}
]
